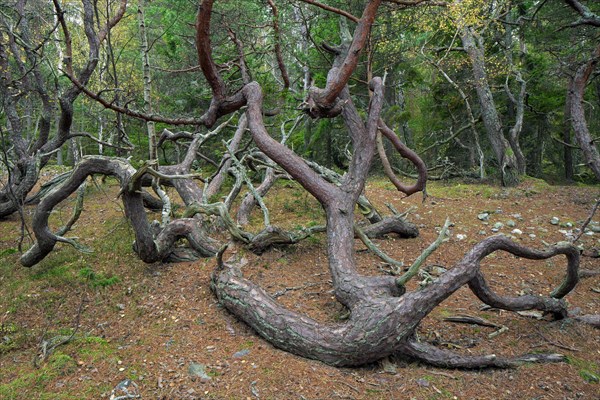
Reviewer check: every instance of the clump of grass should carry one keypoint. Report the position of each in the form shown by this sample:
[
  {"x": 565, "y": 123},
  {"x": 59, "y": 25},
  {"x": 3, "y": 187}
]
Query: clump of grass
[
  {"x": 26, "y": 385},
  {"x": 98, "y": 279},
  {"x": 588, "y": 370},
  {"x": 461, "y": 190}
]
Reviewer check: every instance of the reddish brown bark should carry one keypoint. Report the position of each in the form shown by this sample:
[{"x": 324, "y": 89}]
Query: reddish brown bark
[
  {"x": 410, "y": 155},
  {"x": 323, "y": 102}
]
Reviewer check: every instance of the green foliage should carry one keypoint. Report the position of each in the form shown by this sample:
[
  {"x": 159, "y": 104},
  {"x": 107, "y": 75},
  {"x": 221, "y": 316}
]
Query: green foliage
[
  {"x": 589, "y": 376},
  {"x": 98, "y": 279},
  {"x": 7, "y": 252},
  {"x": 588, "y": 371},
  {"x": 58, "y": 364}
]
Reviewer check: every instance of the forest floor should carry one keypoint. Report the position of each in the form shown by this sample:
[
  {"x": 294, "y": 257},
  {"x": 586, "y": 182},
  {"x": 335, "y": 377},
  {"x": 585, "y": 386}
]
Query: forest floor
[{"x": 161, "y": 327}]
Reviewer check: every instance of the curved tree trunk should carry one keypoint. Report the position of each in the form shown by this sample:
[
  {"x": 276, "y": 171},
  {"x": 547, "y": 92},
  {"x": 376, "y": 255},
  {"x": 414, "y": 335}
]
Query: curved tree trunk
[
  {"x": 215, "y": 184},
  {"x": 249, "y": 201},
  {"x": 383, "y": 315},
  {"x": 150, "y": 245}
]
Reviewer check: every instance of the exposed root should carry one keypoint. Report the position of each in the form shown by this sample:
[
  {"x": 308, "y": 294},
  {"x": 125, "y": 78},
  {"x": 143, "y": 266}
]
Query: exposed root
[
  {"x": 590, "y": 319},
  {"x": 389, "y": 225},
  {"x": 449, "y": 359},
  {"x": 382, "y": 318},
  {"x": 552, "y": 304}
]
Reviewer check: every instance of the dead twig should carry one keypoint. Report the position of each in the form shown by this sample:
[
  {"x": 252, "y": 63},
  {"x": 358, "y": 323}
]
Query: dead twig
[
  {"x": 349, "y": 385},
  {"x": 48, "y": 346},
  {"x": 587, "y": 221},
  {"x": 444, "y": 374},
  {"x": 555, "y": 344},
  {"x": 471, "y": 319}
]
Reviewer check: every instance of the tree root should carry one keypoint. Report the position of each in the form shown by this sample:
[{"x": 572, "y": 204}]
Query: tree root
[
  {"x": 590, "y": 319},
  {"x": 382, "y": 320},
  {"x": 448, "y": 359},
  {"x": 389, "y": 225}
]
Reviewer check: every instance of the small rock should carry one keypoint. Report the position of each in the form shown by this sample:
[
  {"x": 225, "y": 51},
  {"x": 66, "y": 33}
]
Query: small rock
[
  {"x": 197, "y": 370},
  {"x": 121, "y": 307},
  {"x": 516, "y": 232},
  {"x": 126, "y": 389},
  {"x": 595, "y": 228},
  {"x": 517, "y": 217},
  {"x": 483, "y": 216},
  {"x": 554, "y": 221},
  {"x": 388, "y": 366},
  {"x": 423, "y": 382},
  {"x": 482, "y": 233},
  {"x": 498, "y": 225},
  {"x": 460, "y": 236},
  {"x": 241, "y": 353},
  {"x": 510, "y": 223},
  {"x": 532, "y": 236},
  {"x": 531, "y": 314}
]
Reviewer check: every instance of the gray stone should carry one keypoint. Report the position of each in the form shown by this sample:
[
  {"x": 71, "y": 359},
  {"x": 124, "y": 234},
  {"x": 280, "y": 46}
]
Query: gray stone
[
  {"x": 483, "y": 216},
  {"x": 423, "y": 382},
  {"x": 554, "y": 221},
  {"x": 197, "y": 370},
  {"x": 241, "y": 353},
  {"x": 126, "y": 389}
]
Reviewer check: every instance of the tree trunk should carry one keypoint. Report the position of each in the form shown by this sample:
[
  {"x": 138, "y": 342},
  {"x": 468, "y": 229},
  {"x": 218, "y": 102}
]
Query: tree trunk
[
  {"x": 147, "y": 79},
  {"x": 576, "y": 93},
  {"x": 537, "y": 156},
  {"x": 517, "y": 103},
  {"x": 505, "y": 155},
  {"x": 567, "y": 126}
]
